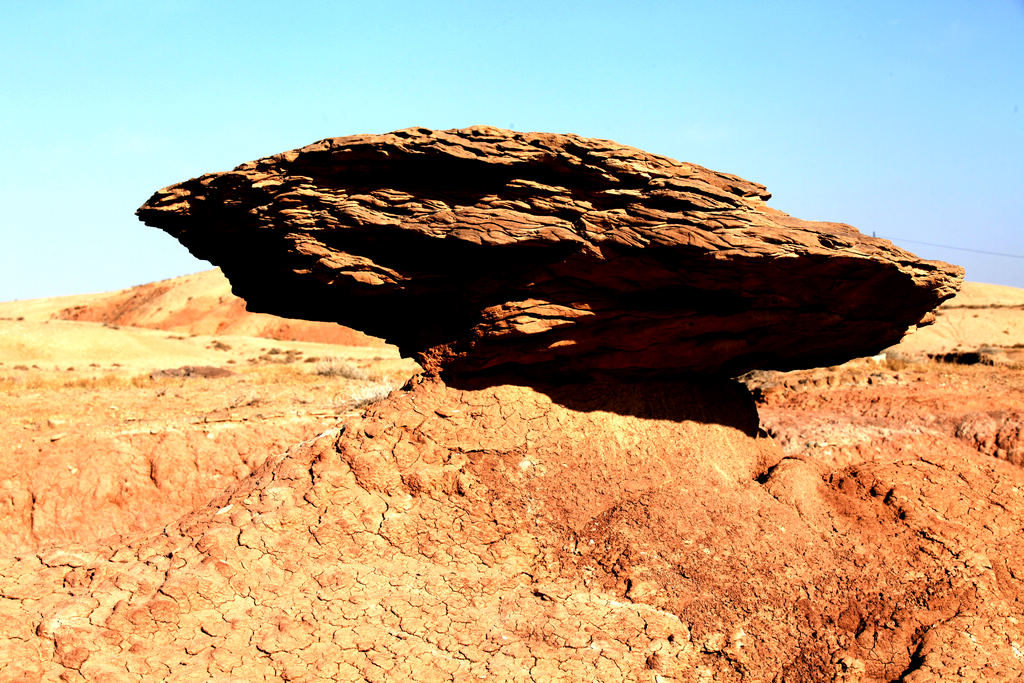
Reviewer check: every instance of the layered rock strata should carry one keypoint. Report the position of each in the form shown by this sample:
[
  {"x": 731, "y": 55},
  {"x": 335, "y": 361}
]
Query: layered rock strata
[{"x": 488, "y": 251}]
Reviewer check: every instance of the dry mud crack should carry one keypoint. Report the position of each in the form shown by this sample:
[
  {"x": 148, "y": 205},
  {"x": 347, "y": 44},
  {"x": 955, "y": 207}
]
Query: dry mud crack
[{"x": 451, "y": 534}]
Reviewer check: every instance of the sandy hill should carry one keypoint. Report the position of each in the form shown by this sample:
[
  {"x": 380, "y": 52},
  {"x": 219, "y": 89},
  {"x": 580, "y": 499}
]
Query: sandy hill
[
  {"x": 981, "y": 315},
  {"x": 201, "y": 303},
  {"x": 64, "y": 345}
]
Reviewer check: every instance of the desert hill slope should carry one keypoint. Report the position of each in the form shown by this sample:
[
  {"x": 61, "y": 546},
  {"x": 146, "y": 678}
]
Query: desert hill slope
[
  {"x": 63, "y": 344},
  {"x": 200, "y": 303}
]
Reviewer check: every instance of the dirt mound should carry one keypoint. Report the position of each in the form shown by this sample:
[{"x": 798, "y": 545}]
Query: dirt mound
[
  {"x": 920, "y": 427},
  {"x": 535, "y": 254},
  {"x": 201, "y": 303},
  {"x": 996, "y": 433},
  {"x": 453, "y": 534}
]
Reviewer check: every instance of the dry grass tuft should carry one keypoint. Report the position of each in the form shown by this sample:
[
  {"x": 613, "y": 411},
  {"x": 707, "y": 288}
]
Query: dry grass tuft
[
  {"x": 370, "y": 393},
  {"x": 337, "y": 367},
  {"x": 896, "y": 363}
]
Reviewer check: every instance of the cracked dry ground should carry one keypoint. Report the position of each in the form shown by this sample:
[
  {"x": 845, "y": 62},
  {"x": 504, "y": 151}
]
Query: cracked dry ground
[
  {"x": 612, "y": 533},
  {"x": 88, "y": 453}
]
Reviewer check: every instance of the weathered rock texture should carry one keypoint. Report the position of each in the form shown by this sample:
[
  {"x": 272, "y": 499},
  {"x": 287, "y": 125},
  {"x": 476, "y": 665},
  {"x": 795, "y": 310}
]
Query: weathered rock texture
[{"x": 487, "y": 250}]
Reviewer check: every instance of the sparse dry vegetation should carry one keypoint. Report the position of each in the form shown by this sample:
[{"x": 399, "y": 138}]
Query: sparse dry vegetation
[
  {"x": 51, "y": 380},
  {"x": 896, "y": 363},
  {"x": 370, "y": 393}
]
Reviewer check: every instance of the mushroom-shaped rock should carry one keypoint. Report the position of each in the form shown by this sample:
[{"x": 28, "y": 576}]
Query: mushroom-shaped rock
[{"x": 487, "y": 252}]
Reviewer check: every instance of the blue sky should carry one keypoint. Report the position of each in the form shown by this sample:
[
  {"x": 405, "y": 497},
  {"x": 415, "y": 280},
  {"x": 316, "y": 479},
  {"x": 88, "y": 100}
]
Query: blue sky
[{"x": 902, "y": 119}]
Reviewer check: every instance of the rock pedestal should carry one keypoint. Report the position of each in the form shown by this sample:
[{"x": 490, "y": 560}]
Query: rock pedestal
[{"x": 573, "y": 490}]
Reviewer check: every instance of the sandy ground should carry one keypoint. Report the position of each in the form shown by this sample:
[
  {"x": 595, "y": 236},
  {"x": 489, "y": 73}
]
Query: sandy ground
[
  {"x": 60, "y": 344},
  {"x": 980, "y": 315},
  {"x": 113, "y": 428}
]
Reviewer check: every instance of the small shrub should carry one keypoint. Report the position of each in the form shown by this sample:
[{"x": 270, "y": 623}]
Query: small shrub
[
  {"x": 245, "y": 400},
  {"x": 336, "y": 367},
  {"x": 896, "y": 363}
]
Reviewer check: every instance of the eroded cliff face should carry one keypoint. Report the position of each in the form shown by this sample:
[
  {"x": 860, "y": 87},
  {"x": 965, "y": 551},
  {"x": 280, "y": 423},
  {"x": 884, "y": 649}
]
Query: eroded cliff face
[
  {"x": 451, "y": 534},
  {"x": 532, "y": 254}
]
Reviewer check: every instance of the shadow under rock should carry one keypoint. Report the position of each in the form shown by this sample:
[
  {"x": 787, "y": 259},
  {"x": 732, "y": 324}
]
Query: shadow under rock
[{"x": 706, "y": 400}]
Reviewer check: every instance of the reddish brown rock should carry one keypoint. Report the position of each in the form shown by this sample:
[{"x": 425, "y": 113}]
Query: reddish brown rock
[{"x": 488, "y": 251}]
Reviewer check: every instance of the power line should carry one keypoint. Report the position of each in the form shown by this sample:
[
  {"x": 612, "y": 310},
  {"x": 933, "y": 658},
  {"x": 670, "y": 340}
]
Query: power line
[{"x": 949, "y": 246}]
